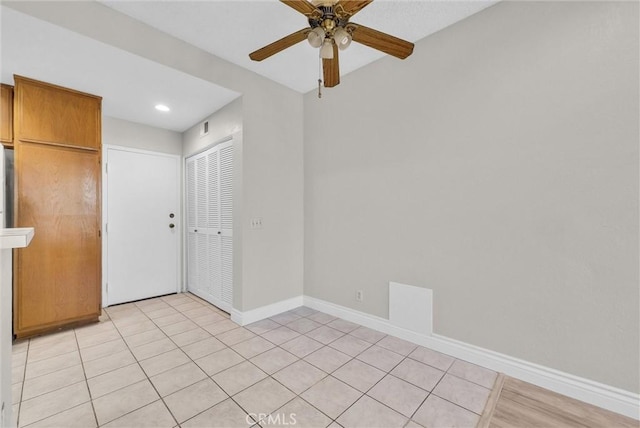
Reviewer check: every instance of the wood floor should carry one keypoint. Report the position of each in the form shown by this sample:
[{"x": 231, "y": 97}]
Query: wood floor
[{"x": 521, "y": 404}]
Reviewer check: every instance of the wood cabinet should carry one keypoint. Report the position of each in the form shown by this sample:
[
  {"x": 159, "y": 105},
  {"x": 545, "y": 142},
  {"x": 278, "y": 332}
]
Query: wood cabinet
[
  {"x": 56, "y": 116},
  {"x": 6, "y": 115},
  {"x": 58, "y": 192}
]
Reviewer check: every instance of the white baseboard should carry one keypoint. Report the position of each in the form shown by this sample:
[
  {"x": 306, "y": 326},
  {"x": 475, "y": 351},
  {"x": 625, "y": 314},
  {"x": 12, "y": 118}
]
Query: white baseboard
[
  {"x": 253, "y": 315},
  {"x": 601, "y": 395}
]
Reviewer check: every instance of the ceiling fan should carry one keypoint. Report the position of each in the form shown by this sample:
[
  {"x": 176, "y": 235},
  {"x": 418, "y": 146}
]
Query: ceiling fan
[{"x": 330, "y": 30}]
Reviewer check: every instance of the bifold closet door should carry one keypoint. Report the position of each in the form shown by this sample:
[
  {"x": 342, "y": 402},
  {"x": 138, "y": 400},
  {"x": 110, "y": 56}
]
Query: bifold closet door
[{"x": 210, "y": 225}]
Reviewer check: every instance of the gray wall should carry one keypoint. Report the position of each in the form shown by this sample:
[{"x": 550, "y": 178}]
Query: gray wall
[
  {"x": 272, "y": 140},
  {"x": 120, "y": 132},
  {"x": 498, "y": 166},
  {"x": 224, "y": 123}
]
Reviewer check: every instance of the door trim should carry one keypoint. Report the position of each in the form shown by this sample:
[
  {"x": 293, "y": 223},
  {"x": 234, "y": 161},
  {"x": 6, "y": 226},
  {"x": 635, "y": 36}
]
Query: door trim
[{"x": 105, "y": 218}]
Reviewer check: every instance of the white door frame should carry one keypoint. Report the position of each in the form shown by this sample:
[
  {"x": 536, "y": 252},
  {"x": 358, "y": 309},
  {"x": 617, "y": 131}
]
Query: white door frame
[{"x": 105, "y": 219}]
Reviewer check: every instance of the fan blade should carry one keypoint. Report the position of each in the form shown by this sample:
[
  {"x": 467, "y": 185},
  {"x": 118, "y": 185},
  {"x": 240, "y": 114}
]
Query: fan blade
[
  {"x": 302, "y": 6},
  {"x": 351, "y": 7},
  {"x": 279, "y": 45},
  {"x": 331, "y": 69},
  {"x": 381, "y": 41}
]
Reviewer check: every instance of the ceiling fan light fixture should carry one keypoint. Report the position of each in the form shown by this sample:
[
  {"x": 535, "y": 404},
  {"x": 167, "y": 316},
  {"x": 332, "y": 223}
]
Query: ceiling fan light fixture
[
  {"x": 326, "y": 51},
  {"x": 342, "y": 38},
  {"x": 316, "y": 37}
]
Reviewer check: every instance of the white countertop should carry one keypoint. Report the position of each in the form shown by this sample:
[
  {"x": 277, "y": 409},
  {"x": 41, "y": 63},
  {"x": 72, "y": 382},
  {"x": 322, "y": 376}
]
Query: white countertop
[{"x": 16, "y": 237}]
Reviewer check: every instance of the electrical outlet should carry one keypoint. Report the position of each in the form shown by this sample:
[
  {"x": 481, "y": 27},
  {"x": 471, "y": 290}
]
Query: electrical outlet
[
  {"x": 359, "y": 295},
  {"x": 256, "y": 223}
]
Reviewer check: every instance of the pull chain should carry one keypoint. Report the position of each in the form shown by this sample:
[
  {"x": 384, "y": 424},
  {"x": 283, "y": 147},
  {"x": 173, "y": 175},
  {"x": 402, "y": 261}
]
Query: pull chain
[{"x": 319, "y": 76}]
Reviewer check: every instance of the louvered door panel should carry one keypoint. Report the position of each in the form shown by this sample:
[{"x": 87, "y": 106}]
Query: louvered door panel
[
  {"x": 209, "y": 181},
  {"x": 226, "y": 219},
  {"x": 226, "y": 268},
  {"x": 213, "y": 191},
  {"x": 226, "y": 186},
  {"x": 213, "y": 254},
  {"x": 191, "y": 194},
  {"x": 193, "y": 268},
  {"x": 201, "y": 192},
  {"x": 192, "y": 259},
  {"x": 203, "y": 283}
]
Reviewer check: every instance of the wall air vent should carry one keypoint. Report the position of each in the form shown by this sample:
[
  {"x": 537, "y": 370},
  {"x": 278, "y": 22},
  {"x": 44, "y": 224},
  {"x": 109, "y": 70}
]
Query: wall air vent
[{"x": 204, "y": 129}]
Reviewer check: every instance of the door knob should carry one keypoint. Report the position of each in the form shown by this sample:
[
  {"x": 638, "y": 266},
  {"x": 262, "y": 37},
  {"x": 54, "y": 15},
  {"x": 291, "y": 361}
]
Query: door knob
[{"x": 171, "y": 225}]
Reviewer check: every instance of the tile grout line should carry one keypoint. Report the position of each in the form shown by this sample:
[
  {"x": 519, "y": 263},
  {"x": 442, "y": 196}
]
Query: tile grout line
[
  {"x": 44, "y": 393},
  {"x": 344, "y": 364},
  {"x": 137, "y": 309},
  {"x": 136, "y": 362},
  {"x": 366, "y": 392},
  {"x": 302, "y": 359},
  {"x": 298, "y": 359},
  {"x": 24, "y": 379},
  {"x": 229, "y": 397},
  {"x": 405, "y": 357},
  {"x": 84, "y": 374},
  {"x": 161, "y": 398},
  {"x": 371, "y": 344},
  {"x": 269, "y": 376},
  {"x": 200, "y": 368},
  {"x": 111, "y": 371},
  {"x": 207, "y": 375},
  {"x": 327, "y": 374}
]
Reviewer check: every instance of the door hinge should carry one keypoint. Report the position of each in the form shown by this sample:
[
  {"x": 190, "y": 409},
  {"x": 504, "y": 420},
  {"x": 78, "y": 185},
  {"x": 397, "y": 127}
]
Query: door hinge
[
  {"x": 106, "y": 167},
  {"x": 106, "y": 228}
]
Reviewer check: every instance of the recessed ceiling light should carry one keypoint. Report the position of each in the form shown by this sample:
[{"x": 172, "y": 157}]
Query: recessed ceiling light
[{"x": 162, "y": 107}]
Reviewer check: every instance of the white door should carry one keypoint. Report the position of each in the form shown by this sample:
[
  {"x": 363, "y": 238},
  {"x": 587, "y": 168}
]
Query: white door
[
  {"x": 209, "y": 190},
  {"x": 142, "y": 224}
]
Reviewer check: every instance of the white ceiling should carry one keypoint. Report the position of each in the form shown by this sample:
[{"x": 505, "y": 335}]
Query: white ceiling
[
  {"x": 131, "y": 85},
  {"x": 233, "y": 29}
]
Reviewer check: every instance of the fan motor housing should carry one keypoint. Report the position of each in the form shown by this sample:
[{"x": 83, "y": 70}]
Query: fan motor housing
[{"x": 329, "y": 20}]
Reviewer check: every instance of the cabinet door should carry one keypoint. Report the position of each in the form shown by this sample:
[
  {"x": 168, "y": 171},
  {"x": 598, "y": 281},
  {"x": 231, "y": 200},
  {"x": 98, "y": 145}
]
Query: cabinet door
[
  {"x": 6, "y": 115},
  {"x": 55, "y": 115},
  {"x": 58, "y": 275}
]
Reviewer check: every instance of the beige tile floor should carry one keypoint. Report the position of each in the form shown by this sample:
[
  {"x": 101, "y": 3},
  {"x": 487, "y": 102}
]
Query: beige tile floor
[{"x": 178, "y": 361}]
